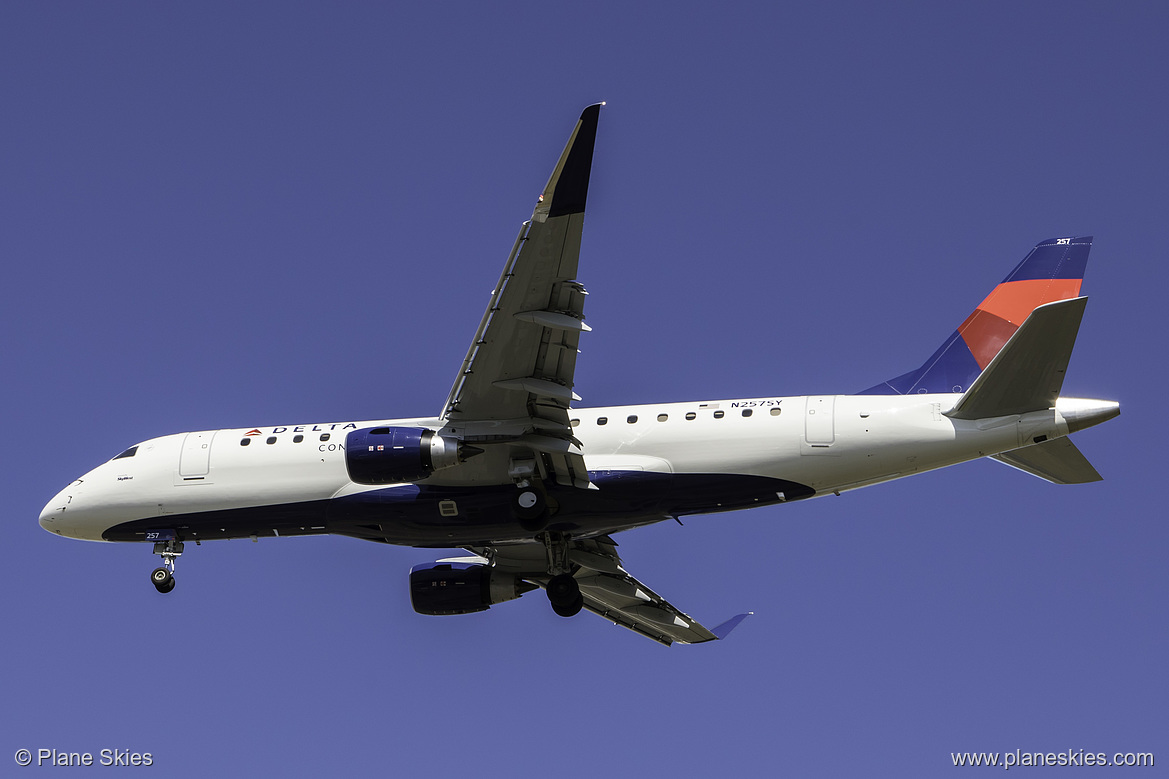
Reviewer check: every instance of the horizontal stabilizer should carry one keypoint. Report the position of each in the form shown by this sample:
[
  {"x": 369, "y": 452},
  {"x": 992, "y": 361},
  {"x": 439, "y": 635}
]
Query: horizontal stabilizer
[
  {"x": 1058, "y": 461},
  {"x": 1027, "y": 374}
]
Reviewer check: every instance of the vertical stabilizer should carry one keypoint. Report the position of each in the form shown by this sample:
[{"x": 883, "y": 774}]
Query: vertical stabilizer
[{"x": 1054, "y": 270}]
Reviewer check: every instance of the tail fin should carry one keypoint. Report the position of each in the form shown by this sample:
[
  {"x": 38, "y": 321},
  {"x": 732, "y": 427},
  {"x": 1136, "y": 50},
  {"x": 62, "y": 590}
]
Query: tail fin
[{"x": 1054, "y": 270}]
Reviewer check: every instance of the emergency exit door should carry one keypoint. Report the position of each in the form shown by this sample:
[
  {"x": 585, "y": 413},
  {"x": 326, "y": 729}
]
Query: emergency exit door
[
  {"x": 819, "y": 423},
  {"x": 195, "y": 458}
]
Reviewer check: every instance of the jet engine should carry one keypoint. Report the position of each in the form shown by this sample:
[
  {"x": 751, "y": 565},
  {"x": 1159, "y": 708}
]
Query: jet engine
[
  {"x": 461, "y": 588},
  {"x": 393, "y": 455}
]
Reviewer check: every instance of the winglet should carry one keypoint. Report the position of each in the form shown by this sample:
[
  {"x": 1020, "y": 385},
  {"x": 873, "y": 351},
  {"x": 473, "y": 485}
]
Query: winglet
[
  {"x": 724, "y": 630},
  {"x": 568, "y": 187}
]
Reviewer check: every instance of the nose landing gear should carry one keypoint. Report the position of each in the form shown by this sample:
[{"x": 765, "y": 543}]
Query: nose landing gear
[{"x": 163, "y": 577}]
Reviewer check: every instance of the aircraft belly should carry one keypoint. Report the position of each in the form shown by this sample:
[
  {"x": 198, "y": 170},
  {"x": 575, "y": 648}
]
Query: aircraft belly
[
  {"x": 424, "y": 515},
  {"x": 237, "y": 504},
  {"x": 284, "y": 519}
]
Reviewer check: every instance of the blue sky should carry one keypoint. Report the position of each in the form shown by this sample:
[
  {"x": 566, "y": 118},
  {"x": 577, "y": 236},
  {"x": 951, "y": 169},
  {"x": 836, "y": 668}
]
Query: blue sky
[{"x": 227, "y": 215}]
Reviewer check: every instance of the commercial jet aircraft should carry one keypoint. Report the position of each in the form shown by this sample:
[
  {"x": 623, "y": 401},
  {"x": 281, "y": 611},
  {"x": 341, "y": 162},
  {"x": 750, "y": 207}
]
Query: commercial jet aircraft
[{"x": 534, "y": 487}]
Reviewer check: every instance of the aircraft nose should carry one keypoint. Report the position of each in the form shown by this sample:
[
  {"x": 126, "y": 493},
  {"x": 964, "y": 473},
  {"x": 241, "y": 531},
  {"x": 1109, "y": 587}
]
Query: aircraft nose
[
  {"x": 52, "y": 516},
  {"x": 53, "y": 511}
]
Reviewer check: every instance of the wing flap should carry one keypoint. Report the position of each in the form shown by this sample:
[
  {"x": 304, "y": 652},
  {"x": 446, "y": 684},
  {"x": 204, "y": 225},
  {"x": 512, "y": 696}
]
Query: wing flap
[
  {"x": 516, "y": 361},
  {"x": 608, "y": 589},
  {"x": 627, "y": 602}
]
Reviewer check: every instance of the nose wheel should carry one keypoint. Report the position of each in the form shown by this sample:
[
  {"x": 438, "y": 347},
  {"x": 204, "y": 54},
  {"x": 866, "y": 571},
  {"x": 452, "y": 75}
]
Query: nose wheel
[{"x": 163, "y": 577}]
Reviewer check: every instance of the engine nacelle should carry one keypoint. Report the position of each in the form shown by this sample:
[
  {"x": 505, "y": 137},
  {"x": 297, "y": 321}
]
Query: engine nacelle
[
  {"x": 393, "y": 455},
  {"x": 461, "y": 588}
]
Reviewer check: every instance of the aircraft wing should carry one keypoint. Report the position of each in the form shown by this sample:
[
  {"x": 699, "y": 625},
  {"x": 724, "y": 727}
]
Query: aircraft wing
[
  {"x": 609, "y": 590},
  {"x": 517, "y": 378}
]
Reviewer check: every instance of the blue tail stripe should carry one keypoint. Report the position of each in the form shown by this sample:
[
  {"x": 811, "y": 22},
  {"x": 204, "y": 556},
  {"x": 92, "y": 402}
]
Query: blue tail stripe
[
  {"x": 950, "y": 369},
  {"x": 1056, "y": 258}
]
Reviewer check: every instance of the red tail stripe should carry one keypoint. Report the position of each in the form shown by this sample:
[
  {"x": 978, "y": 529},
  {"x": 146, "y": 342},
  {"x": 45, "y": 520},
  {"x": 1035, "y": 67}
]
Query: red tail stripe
[
  {"x": 1015, "y": 300},
  {"x": 998, "y": 317},
  {"x": 985, "y": 334}
]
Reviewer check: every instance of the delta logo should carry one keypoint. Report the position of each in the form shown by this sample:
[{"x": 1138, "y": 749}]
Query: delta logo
[{"x": 304, "y": 429}]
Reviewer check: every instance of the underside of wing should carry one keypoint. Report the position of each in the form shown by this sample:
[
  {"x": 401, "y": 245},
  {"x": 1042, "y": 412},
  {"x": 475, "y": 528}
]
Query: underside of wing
[
  {"x": 608, "y": 589},
  {"x": 516, "y": 382}
]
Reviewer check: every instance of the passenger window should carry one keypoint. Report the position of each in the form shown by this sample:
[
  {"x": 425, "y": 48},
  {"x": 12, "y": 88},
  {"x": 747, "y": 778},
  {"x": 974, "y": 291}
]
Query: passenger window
[
  {"x": 574, "y": 422},
  {"x": 245, "y": 442},
  {"x": 631, "y": 418},
  {"x": 325, "y": 436},
  {"x": 718, "y": 415},
  {"x": 271, "y": 439},
  {"x": 602, "y": 420},
  {"x": 776, "y": 411},
  {"x": 690, "y": 415},
  {"x": 296, "y": 439},
  {"x": 746, "y": 412},
  {"x": 663, "y": 417}
]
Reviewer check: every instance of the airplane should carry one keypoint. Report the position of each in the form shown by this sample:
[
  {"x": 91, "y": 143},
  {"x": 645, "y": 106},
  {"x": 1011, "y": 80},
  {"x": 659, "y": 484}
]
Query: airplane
[{"x": 533, "y": 487}]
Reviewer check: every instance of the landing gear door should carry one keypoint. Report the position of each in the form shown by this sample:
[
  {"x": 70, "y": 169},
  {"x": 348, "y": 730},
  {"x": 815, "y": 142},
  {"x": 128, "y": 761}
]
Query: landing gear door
[
  {"x": 195, "y": 458},
  {"x": 819, "y": 424}
]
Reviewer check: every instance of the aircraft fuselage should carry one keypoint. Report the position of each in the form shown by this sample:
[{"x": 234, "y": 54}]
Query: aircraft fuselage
[{"x": 646, "y": 462}]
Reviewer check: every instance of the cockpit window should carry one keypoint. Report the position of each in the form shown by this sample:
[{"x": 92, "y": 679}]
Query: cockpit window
[{"x": 133, "y": 450}]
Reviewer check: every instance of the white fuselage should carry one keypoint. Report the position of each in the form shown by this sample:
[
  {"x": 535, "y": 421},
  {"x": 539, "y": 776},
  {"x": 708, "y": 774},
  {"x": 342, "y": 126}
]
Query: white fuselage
[{"x": 828, "y": 443}]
